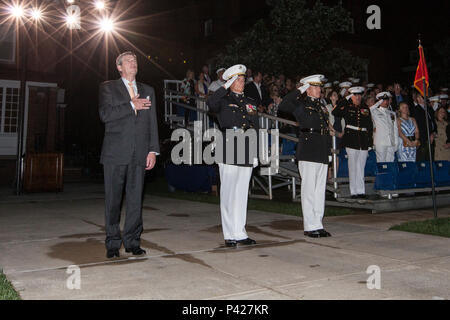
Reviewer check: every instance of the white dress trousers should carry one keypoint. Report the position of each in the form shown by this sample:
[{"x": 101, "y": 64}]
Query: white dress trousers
[
  {"x": 356, "y": 164},
  {"x": 385, "y": 153},
  {"x": 314, "y": 180},
  {"x": 234, "y": 181}
]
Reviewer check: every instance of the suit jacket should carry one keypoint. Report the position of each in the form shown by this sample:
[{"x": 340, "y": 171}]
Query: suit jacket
[
  {"x": 251, "y": 91},
  {"x": 125, "y": 132},
  {"x": 418, "y": 113}
]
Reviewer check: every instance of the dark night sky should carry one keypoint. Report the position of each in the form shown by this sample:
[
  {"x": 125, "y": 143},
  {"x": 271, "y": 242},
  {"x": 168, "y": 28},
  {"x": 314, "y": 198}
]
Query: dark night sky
[{"x": 401, "y": 21}]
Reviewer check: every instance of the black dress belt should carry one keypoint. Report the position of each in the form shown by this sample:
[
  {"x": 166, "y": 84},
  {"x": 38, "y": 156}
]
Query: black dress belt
[
  {"x": 318, "y": 131},
  {"x": 411, "y": 138}
]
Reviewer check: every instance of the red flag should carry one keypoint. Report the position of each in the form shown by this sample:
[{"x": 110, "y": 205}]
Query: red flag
[{"x": 421, "y": 73}]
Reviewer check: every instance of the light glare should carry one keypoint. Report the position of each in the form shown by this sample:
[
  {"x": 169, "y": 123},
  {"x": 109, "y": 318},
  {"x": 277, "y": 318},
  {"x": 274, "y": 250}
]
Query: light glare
[
  {"x": 36, "y": 14},
  {"x": 106, "y": 25},
  {"x": 70, "y": 20},
  {"x": 16, "y": 11},
  {"x": 100, "y": 5}
]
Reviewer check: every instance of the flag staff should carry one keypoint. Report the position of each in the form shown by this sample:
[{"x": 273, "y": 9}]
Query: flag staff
[{"x": 425, "y": 94}]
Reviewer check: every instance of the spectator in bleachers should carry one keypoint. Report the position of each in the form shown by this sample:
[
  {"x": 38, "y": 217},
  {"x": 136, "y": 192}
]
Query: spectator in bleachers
[
  {"x": 257, "y": 91},
  {"x": 418, "y": 112},
  {"x": 385, "y": 128},
  {"x": 408, "y": 133},
  {"x": 290, "y": 85},
  {"x": 201, "y": 90},
  {"x": 274, "y": 101},
  {"x": 249, "y": 76},
  {"x": 397, "y": 96},
  {"x": 188, "y": 88},
  {"x": 201, "y": 87},
  {"x": 442, "y": 140},
  {"x": 444, "y": 101},
  {"x": 336, "y": 123},
  {"x": 207, "y": 77}
]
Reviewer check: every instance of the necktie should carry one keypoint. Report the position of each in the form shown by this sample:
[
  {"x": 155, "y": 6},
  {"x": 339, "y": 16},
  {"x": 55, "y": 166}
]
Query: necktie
[{"x": 131, "y": 92}]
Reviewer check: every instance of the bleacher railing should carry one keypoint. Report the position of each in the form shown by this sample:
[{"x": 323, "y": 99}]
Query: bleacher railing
[{"x": 174, "y": 97}]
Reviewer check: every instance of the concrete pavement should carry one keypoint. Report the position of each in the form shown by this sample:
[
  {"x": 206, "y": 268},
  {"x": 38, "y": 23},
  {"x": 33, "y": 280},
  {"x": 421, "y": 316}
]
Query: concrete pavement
[{"x": 42, "y": 234}]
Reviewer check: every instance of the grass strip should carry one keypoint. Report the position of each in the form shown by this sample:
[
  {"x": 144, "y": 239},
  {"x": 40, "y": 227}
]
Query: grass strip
[
  {"x": 437, "y": 227},
  {"x": 7, "y": 291}
]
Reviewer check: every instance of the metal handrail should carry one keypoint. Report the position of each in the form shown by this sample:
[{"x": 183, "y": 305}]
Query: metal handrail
[{"x": 264, "y": 120}]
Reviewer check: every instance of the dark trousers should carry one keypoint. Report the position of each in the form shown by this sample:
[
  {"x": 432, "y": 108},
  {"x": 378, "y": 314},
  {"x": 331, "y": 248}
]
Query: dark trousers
[
  {"x": 117, "y": 177},
  {"x": 422, "y": 153}
]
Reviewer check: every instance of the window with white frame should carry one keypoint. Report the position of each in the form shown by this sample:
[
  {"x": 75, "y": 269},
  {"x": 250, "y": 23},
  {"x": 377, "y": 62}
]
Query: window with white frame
[
  {"x": 9, "y": 109},
  {"x": 7, "y": 43}
]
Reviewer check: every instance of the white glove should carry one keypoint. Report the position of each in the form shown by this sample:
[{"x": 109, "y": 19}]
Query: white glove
[
  {"x": 304, "y": 87},
  {"x": 230, "y": 82},
  {"x": 349, "y": 96}
]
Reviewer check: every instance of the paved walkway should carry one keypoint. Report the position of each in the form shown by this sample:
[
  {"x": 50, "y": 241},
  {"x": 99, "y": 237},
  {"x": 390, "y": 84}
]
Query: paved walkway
[{"x": 42, "y": 234}]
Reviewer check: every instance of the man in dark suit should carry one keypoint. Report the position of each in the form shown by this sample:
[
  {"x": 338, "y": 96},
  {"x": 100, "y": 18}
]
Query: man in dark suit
[
  {"x": 418, "y": 113},
  {"x": 257, "y": 91},
  {"x": 130, "y": 146}
]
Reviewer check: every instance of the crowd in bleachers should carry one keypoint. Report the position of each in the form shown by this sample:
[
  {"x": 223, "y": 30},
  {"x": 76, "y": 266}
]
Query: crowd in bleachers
[{"x": 268, "y": 91}]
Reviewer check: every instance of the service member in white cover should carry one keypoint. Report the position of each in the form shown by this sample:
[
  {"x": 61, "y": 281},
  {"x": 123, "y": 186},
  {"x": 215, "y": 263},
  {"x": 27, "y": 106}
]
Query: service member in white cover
[
  {"x": 385, "y": 128},
  {"x": 236, "y": 114},
  {"x": 313, "y": 150}
]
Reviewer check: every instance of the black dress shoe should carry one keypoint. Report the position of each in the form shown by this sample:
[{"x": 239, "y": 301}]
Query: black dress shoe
[
  {"x": 355, "y": 196},
  {"x": 230, "y": 243},
  {"x": 137, "y": 251},
  {"x": 111, "y": 253},
  {"x": 312, "y": 234},
  {"x": 246, "y": 242},
  {"x": 324, "y": 233}
]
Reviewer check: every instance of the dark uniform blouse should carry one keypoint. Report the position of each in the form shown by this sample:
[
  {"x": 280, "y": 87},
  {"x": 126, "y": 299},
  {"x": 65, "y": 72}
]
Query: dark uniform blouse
[
  {"x": 313, "y": 133},
  {"x": 358, "y": 117},
  {"x": 234, "y": 111}
]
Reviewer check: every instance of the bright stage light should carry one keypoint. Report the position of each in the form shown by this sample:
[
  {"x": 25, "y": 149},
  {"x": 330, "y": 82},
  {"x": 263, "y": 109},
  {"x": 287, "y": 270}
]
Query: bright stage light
[
  {"x": 36, "y": 14},
  {"x": 16, "y": 11},
  {"x": 106, "y": 25},
  {"x": 70, "y": 1},
  {"x": 70, "y": 20},
  {"x": 100, "y": 5}
]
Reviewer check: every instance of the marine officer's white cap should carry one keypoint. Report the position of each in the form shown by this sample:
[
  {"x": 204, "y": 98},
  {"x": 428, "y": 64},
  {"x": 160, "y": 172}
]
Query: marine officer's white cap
[
  {"x": 327, "y": 85},
  {"x": 355, "y": 80},
  {"x": 443, "y": 96},
  {"x": 220, "y": 69},
  {"x": 356, "y": 90},
  {"x": 435, "y": 99},
  {"x": 314, "y": 80},
  {"x": 370, "y": 85},
  {"x": 237, "y": 69},
  {"x": 384, "y": 95},
  {"x": 345, "y": 84}
]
